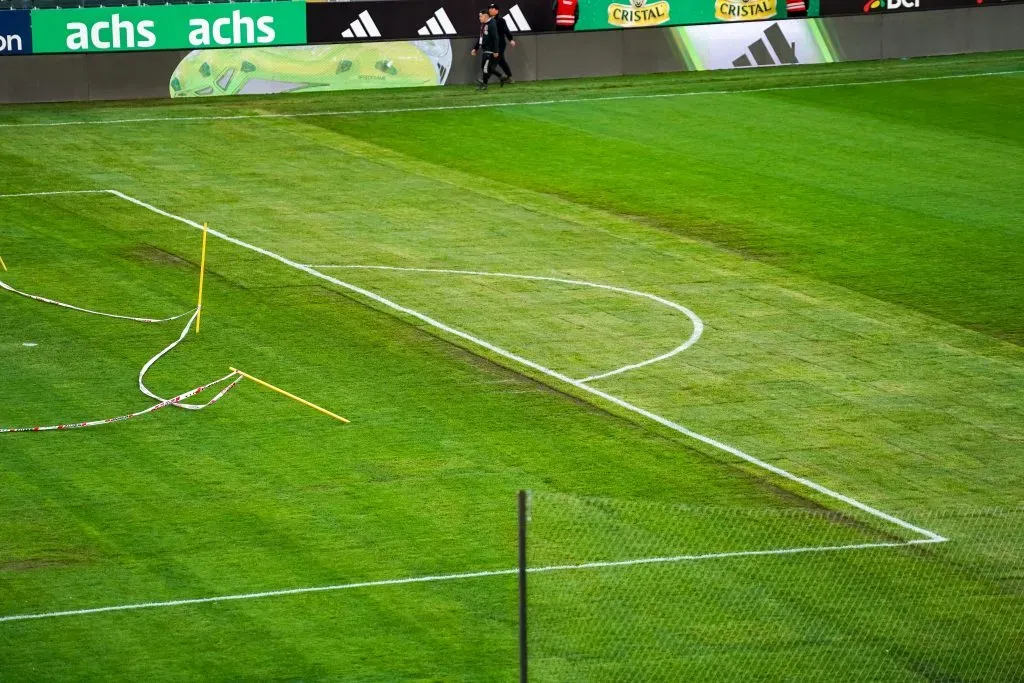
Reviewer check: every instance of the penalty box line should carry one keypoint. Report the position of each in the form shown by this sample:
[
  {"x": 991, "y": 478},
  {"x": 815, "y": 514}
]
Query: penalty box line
[
  {"x": 578, "y": 384},
  {"x": 460, "y": 576}
]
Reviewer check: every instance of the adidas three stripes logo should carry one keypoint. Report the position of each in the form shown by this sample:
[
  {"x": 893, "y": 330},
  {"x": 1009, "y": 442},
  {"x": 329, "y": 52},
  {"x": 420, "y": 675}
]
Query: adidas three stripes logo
[
  {"x": 516, "y": 20},
  {"x": 362, "y": 27},
  {"x": 438, "y": 25}
]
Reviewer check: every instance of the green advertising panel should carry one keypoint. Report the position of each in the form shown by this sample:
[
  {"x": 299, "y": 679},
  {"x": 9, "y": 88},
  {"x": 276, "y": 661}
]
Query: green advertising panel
[
  {"x": 168, "y": 27},
  {"x": 604, "y": 14},
  {"x": 312, "y": 68}
]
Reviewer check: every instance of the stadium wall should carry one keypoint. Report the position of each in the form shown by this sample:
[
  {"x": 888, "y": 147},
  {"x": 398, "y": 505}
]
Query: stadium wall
[{"x": 231, "y": 71}]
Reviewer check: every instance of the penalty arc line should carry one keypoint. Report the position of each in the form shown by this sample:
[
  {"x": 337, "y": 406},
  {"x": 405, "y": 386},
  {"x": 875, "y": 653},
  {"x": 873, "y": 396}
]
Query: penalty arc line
[
  {"x": 698, "y": 324},
  {"x": 615, "y": 400},
  {"x": 494, "y": 105},
  {"x": 459, "y": 576}
]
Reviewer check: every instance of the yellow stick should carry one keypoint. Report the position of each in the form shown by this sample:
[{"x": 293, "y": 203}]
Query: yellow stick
[
  {"x": 3, "y": 264},
  {"x": 202, "y": 272},
  {"x": 291, "y": 396}
]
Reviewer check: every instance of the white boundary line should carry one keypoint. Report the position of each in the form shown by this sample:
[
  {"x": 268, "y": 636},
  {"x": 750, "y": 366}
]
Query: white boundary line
[
  {"x": 57, "y": 191},
  {"x": 492, "y": 105},
  {"x": 453, "y": 577},
  {"x": 698, "y": 324},
  {"x": 928, "y": 536}
]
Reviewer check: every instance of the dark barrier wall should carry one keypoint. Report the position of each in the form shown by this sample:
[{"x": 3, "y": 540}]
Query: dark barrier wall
[
  {"x": 201, "y": 73},
  {"x": 77, "y": 77}
]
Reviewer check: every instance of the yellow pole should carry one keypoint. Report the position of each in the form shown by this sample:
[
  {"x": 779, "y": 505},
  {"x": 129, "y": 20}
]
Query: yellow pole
[
  {"x": 3, "y": 264},
  {"x": 202, "y": 272},
  {"x": 291, "y": 396}
]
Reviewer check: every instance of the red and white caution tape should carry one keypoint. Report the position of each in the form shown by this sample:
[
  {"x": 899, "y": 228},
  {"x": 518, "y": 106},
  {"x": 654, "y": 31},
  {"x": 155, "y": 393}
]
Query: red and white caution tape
[
  {"x": 177, "y": 401},
  {"x": 163, "y": 404},
  {"x": 145, "y": 368},
  {"x": 34, "y": 297}
]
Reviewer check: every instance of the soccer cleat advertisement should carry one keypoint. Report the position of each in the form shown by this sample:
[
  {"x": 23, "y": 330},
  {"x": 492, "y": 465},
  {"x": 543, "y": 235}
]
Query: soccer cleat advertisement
[{"x": 312, "y": 68}]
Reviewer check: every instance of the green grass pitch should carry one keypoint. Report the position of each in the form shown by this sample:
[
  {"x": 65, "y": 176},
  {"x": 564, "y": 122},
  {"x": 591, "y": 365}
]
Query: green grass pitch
[{"x": 854, "y": 251}]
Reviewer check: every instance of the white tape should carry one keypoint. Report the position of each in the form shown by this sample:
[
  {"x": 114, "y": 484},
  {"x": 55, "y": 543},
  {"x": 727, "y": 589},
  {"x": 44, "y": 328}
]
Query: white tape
[
  {"x": 34, "y": 297},
  {"x": 177, "y": 401},
  {"x": 145, "y": 368},
  {"x": 163, "y": 404}
]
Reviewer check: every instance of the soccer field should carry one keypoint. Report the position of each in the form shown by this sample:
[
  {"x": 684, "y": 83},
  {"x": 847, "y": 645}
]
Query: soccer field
[{"x": 751, "y": 339}]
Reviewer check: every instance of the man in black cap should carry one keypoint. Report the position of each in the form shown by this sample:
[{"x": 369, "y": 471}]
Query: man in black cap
[
  {"x": 488, "y": 44},
  {"x": 505, "y": 37}
]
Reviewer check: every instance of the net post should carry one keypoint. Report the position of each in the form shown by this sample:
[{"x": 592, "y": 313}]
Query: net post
[{"x": 522, "y": 587}]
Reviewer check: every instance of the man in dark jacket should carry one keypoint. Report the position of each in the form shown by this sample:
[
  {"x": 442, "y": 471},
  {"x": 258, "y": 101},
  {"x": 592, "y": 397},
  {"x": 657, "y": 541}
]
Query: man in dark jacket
[
  {"x": 505, "y": 38},
  {"x": 488, "y": 44}
]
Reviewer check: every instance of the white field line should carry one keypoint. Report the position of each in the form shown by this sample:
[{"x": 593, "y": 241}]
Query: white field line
[
  {"x": 460, "y": 576},
  {"x": 582, "y": 386},
  {"x": 49, "y": 194},
  {"x": 493, "y": 105},
  {"x": 698, "y": 324}
]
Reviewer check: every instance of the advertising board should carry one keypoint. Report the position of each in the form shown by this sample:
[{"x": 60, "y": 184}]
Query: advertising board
[
  {"x": 15, "y": 32},
  {"x": 168, "y": 27},
  {"x": 336, "y": 22},
  {"x": 312, "y": 68},
  {"x": 845, "y": 7},
  {"x": 780, "y": 43},
  {"x": 607, "y": 14}
]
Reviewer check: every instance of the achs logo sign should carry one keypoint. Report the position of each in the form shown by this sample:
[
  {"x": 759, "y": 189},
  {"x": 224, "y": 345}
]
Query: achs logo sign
[
  {"x": 163, "y": 27},
  {"x": 639, "y": 13},
  {"x": 15, "y": 33},
  {"x": 872, "y": 5},
  {"x": 117, "y": 33},
  {"x": 745, "y": 10}
]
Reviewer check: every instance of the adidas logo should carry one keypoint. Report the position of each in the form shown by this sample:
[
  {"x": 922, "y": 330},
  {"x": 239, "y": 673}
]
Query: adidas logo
[
  {"x": 516, "y": 21},
  {"x": 758, "y": 53},
  {"x": 438, "y": 25},
  {"x": 362, "y": 27}
]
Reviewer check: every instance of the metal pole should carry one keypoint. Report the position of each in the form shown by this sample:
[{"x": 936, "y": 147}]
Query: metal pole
[{"x": 522, "y": 587}]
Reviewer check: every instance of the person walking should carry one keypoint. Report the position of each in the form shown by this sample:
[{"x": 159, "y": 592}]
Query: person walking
[
  {"x": 487, "y": 44},
  {"x": 505, "y": 38}
]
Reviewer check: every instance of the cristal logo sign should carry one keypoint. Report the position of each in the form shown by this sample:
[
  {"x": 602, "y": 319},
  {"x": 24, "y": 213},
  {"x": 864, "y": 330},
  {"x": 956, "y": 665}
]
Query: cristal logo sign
[
  {"x": 638, "y": 13},
  {"x": 117, "y": 33},
  {"x": 891, "y": 4},
  {"x": 745, "y": 10}
]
